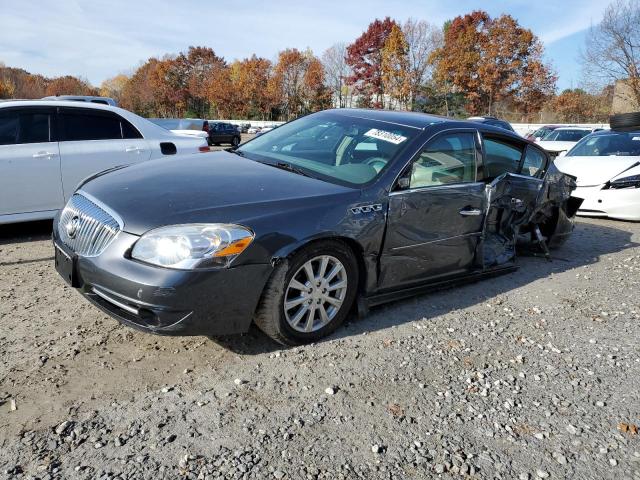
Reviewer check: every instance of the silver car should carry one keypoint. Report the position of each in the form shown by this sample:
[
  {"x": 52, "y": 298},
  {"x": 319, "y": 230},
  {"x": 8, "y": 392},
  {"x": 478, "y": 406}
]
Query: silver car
[{"x": 48, "y": 147}]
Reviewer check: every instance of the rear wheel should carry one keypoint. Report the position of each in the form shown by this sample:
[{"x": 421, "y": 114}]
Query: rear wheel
[{"x": 310, "y": 294}]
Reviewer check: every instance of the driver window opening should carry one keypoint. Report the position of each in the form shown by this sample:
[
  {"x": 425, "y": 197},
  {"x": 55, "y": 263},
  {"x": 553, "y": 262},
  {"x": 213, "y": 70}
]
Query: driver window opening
[{"x": 450, "y": 159}]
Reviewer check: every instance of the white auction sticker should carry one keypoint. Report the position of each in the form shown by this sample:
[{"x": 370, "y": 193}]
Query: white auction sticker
[
  {"x": 386, "y": 136},
  {"x": 635, "y": 139}
]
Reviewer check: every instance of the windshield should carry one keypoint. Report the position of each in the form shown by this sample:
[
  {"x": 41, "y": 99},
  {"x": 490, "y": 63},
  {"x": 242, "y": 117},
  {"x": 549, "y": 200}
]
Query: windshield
[
  {"x": 541, "y": 132},
  {"x": 626, "y": 144},
  {"x": 565, "y": 135},
  {"x": 337, "y": 148}
]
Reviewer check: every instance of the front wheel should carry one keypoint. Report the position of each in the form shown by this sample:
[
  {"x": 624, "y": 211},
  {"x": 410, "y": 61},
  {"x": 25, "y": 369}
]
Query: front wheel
[
  {"x": 310, "y": 294},
  {"x": 235, "y": 141}
]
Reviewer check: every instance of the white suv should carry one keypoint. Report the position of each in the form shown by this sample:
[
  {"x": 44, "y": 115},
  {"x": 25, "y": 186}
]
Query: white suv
[{"x": 48, "y": 147}]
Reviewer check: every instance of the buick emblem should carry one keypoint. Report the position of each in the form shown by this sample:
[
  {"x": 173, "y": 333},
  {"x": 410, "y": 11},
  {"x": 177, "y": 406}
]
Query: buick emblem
[{"x": 72, "y": 227}]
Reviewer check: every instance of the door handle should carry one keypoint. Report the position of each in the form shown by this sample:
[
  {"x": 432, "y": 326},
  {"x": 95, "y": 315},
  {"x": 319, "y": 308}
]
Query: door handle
[
  {"x": 470, "y": 212},
  {"x": 133, "y": 149},
  {"x": 43, "y": 154}
]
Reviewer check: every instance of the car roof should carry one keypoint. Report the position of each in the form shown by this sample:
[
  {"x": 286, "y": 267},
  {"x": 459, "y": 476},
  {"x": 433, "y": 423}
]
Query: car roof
[
  {"x": 634, "y": 131},
  {"x": 408, "y": 119},
  {"x": 58, "y": 103},
  {"x": 575, "y": 128},
  {"x": 423, "y": 121}
]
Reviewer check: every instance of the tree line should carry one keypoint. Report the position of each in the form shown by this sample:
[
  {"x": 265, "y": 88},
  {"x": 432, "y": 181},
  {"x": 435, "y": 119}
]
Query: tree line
[{"x": 472, "y": 65}]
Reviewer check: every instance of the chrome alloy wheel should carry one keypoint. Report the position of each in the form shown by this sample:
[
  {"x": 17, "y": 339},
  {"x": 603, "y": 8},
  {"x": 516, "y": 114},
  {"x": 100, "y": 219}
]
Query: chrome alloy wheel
[{"x": 315, "y": 294}]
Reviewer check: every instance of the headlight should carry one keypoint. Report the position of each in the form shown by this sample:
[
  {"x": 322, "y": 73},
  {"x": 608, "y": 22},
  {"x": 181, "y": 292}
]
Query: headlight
[
  {"x": 626, "y": 182},
  {"x": 191, "y": 246}
]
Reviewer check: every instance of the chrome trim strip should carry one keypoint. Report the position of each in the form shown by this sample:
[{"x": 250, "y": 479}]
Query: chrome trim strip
[
  {"x": 474, "y": 234},
  {"x": 121, "y": 305},
  {"x": 434, "y": 187}
]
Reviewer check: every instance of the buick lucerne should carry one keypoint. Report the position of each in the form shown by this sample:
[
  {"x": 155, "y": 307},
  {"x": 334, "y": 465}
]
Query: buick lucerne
[{"x": 334, "y": 212}]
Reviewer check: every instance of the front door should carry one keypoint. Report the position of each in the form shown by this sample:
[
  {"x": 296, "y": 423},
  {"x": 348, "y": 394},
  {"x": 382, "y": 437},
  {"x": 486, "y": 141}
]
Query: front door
[
  {"x": 436, "y": 216},
  {"x": 29, "y": 161}
]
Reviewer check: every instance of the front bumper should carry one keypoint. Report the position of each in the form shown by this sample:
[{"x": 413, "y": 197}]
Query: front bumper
[
  {"x": 165, "y": 301},
  {"x": 618, "y": 203}
]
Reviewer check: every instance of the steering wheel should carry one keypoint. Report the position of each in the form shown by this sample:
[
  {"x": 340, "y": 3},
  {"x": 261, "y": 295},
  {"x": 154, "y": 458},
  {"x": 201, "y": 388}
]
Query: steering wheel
[{"x": 377, "y": 163}]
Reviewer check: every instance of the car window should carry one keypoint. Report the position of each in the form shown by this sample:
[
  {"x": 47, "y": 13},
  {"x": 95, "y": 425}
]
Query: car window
[
  {"x": 566, "y": 135},
  {"x": 500, "y": 157},
  {"x": 448, "y": 159},
  {"x": 8, "y": 128},
  {"x": 534, "y": 162},
  {"x": 129, "y": 131},
  {"x": 90, "y": 126},
  {"x": 24, "y": 127}
]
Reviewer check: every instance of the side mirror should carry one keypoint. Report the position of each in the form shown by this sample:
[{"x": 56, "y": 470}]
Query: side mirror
[{"x": 404, "y": 183}]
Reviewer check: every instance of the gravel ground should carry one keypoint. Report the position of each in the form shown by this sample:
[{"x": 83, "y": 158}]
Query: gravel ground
[{"x": 535, "y": 374}]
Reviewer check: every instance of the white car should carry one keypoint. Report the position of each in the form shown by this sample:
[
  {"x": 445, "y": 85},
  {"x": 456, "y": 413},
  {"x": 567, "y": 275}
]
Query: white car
[
  {"x": 191, "y": 127},
  {"x": 607, "y": 166},
  {"x": 48, "y": 147},
  {"x": 563, "y": 139},
  {"x": 253, "y": 130}
]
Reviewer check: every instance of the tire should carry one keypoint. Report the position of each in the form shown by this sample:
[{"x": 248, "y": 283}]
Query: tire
[
  {"x": 209, "y": 142},
  {"x": 235, "y": 141},
  {"x": 276, "y": 321},
  {"x": 623, "y": 121}
]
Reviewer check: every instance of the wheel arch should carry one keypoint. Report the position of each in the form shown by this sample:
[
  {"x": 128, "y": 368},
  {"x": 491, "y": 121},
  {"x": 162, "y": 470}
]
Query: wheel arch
[{"x": 353, "y": 245}]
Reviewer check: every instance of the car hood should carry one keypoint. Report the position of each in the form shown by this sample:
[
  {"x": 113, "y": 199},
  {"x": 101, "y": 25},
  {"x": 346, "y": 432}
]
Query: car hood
[
  {"x": 556, "y": 146},
  {"x": 592, "y": 171},
  {"x": 208, "y": 187}
]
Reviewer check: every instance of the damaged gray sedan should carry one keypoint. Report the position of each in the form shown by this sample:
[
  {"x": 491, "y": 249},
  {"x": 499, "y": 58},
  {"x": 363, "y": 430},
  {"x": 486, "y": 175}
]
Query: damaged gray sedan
[{"x": 335, "y": 211}]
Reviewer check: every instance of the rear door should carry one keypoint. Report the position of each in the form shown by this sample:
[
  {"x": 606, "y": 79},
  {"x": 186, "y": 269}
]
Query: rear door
[
  {"x": 29, "y": 161},
  {"x": 514, "y": 173},
  {"x": 93, "y": 140},
  {"x": 435, "y": 214}
]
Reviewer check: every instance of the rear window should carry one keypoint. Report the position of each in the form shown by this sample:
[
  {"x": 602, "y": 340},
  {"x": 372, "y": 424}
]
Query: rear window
[
  {"x": 82, "y": 126},
  {"x": 626, "y": 144},
  {"x": 500, "y": 157}
]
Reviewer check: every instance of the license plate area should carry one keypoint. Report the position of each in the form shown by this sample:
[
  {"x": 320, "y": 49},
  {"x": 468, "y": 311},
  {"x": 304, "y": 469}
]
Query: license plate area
[{"x": 66, "y": 266}]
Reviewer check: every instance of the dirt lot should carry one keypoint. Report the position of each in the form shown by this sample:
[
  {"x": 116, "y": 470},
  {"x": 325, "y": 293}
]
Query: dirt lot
[{"x": 531, "y": 375}]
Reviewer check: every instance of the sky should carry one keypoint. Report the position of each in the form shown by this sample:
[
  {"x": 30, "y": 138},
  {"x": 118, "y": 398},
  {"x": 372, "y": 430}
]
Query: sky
[{"x": 97, "y": 39}]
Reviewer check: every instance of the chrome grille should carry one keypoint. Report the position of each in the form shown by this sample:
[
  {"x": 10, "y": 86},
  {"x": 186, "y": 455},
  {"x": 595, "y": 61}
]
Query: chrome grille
[{"x": 85, "y": 227}]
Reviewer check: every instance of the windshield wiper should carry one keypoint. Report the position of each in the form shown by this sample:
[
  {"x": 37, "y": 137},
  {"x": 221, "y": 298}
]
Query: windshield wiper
[{"x": 290, "y": 168}]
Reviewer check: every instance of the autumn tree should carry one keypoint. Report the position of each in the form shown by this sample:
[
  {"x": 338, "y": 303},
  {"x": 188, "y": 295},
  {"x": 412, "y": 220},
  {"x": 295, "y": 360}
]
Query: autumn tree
[
  {"x": 69, "y": 85},
  {"x": 580, "y": 106},
  {"x": 249, "y": 87},
  {"x": 364, "y": 56},
  {"x": 337, "y": 71},
  {"x": 7, "y": 88},
  {"x": 297, "y": 84},
  {"x": 396, "y": 78},
  {"x": 138, "y": 94},
  {"x": 114, "y": 86},
  {"x": 612, "y": 48},
  {"x": 422, "y": 40},
  {"x": 195, "y": 68},
  {"x": 493, "y": 60}
]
